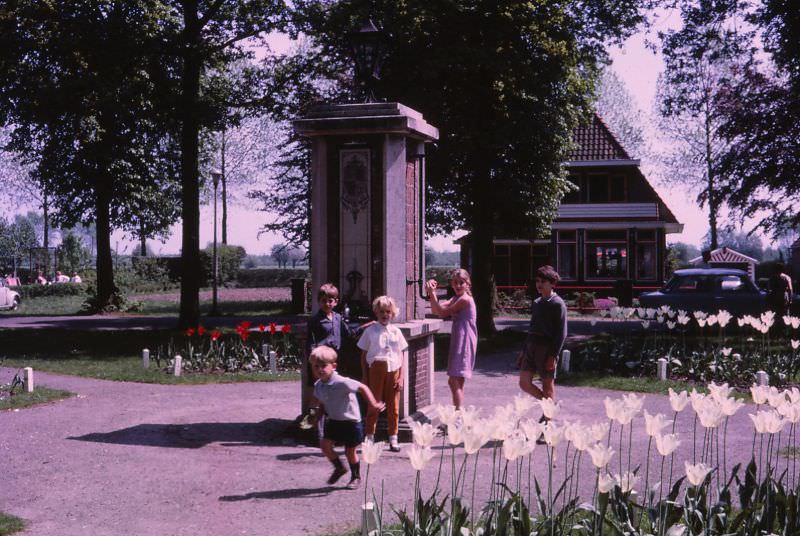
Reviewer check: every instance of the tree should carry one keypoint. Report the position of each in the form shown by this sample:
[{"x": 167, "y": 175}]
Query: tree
[
  {"x": 761, "y": 123},
  {"x": 617, "y": 107},
  {"x": 683, "y": 252},
  {"x": 206, "y": 37},
  {"x": 77, "y": 84},
  {"x": 506, "y": 83},
  {"x": 699, "y": 59},
  {"x": 73, "y": 256},
  {"x": 16, "y": 240},
  {"x": 280, "y": 254}
]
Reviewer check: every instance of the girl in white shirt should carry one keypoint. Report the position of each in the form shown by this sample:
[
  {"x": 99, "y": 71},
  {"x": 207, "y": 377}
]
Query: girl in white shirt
[{"x": 382, "y": 346}]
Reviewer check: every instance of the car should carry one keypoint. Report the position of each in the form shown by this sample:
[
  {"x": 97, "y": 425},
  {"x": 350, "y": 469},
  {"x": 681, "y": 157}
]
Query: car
[
  {"x": 9, "y": 299},
  {"x": 709, "y": 290}
]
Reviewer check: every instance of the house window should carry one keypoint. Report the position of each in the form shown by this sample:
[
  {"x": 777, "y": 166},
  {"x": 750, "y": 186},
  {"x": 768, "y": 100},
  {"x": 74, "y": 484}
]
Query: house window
[
  {"x": 646, "y": 252},
  {"x": 606, "y": 254},
  {"x": 575, "y": 195},
  {"x": 607, "y": 188},
  {"x": 598, "y": 189},
  {"x": 617, "y": 189},
  {"x": 567, "y": 255}
]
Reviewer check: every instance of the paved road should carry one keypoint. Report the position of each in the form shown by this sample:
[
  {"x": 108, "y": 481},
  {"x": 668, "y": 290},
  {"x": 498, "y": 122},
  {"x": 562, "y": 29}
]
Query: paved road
[{"x": 126, "y": 458}]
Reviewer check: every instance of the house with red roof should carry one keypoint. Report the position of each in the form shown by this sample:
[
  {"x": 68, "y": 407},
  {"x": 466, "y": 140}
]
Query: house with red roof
[{"x": 610, "y": 231}]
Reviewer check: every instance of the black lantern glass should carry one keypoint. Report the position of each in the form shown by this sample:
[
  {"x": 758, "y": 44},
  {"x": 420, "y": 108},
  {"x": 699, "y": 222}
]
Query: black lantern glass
[{"x": 366, "y": 48}]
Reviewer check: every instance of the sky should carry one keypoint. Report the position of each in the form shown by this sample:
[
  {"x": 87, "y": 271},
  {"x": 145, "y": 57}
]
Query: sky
[{"x": 636, "y": 65}]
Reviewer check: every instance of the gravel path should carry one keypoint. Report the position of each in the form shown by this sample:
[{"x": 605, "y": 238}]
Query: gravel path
[{"x": 126, "y": 458}]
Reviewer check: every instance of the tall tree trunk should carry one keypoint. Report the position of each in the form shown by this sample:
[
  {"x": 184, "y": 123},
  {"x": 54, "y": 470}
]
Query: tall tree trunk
[
  {"x": 190, "y": 191},
  {"x": 142, "y": 241},
  {"x": 224, "y": 192},
  {"x": 712, "y": 196},
  {"x": 103, "y": 262},
  {"x": 46, "y": 232},
  {"x": 482, "y": 237}
]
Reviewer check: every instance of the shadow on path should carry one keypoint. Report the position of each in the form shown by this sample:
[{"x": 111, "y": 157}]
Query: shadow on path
[
  {"x": 291, "y": 493},
  {"x": 271, "y": 432}
]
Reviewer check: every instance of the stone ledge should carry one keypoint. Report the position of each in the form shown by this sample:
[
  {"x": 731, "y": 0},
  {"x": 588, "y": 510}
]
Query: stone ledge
[
  {"x": 370, "y": 118},
  {"x": 415, "y": 329}
]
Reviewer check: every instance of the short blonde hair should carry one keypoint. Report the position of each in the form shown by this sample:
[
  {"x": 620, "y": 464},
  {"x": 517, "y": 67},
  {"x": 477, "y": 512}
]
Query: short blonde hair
[
  {"x": 326, "y": 354},
  {"x": 384, "y": 302},
  {"x": 328, "y": 290}
]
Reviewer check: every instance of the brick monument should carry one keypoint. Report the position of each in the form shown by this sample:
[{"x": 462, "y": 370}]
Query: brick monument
[{"x": 367, "y": 214}]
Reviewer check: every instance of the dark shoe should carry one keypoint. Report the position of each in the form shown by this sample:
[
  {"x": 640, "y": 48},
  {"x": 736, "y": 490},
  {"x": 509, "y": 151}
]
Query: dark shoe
[
  {"x": 540, "y": 440},
  {"x": 354, "y": 483},
  {"x": 338, "y": 472}
]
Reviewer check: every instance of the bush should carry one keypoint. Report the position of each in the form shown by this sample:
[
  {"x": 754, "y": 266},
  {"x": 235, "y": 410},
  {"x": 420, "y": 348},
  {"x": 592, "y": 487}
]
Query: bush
[
  {"x": 269, "y": 277},
  {"x": 229, "y": 260},
  {"x": 58, "y": 290}
]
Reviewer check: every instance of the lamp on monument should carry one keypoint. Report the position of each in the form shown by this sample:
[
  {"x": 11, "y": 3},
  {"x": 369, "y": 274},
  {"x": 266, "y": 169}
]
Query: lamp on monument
[
  {"x": 365, "y": 44},
  {"x": 216, "y": 175}
]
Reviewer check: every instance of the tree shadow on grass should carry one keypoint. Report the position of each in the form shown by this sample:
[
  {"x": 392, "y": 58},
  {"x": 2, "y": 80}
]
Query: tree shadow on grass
[
  {"x": 271, "y": 432},
  {"x": 291, "y": 493}
]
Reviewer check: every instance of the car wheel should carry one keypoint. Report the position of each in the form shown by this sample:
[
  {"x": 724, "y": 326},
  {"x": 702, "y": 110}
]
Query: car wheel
[{"x": 15, "y": 305}]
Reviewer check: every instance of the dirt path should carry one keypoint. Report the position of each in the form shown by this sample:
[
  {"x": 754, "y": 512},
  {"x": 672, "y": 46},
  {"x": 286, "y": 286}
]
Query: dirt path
[{"x": 125, "y": 458}]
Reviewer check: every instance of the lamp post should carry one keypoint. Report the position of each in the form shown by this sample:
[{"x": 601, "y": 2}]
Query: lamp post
[
  {"x": 215, "y": 177},
  {"x": 365, "y": 44}
]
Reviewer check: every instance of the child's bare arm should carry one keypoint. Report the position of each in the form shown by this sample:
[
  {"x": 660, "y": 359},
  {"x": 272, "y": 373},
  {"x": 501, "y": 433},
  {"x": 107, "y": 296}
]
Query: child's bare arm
[
  {"x": 398, "y": 385},
  {"x": 373, "y": 403}
]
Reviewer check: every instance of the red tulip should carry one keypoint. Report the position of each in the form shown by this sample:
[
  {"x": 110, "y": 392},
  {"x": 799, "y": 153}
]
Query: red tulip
[
  {"x": 286, "y": 328},
  {"x": 272, "y": 328},
  {"x": 201, "y": 330},
  {"x": 262, "y": 328},
  {"x": 215, "y": 335},
  {"x": 189, "y": 332}
]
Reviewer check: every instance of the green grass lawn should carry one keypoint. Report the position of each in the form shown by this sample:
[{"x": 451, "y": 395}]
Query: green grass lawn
[
  {"x": 108, "y": 355},
  {"x": 40, "y": 395},
  {"x": 48, "y": 306},
  {"x": 633, "y": 383},
  {"x": 10, "y": 524}
]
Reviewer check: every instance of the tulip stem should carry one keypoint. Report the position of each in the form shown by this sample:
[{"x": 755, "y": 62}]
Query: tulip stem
[{"x": 472, "y": 499}]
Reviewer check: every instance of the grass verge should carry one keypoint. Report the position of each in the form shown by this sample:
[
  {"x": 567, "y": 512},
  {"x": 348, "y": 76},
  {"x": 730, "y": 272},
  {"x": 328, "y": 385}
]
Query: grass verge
[
  {"x": 48, "y": 306},
  {"x": 10, "y": 524},
  {"x": 107, "y": 355},
  {"x": 40, "y": 395},
  {"x": 635, "y": 384}
]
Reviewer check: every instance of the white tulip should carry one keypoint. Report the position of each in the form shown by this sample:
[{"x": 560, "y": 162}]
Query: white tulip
[
  {"x": 550, "y": 409},
  {"x": 796, "y": 322},
  {"x": 553, "y": 434},
  {"x": 729, "y": 406},
  {"x": 711, "y": 320},
  {"x": 645, "y": 324},
  {"x": 726, "y": 351},
  {"x": 447, "y": 414},
  {"x": 767, "y": 422},
  {"x": 474, "y": 438},
  {"x": 776, "y": 398},
  {"x": 701, "y": 322},
  {"x": 683, "y": 319},
  {"x": 523, "y": 403},
  {"x": 696, "y": 473},
  {"x": 723, "y": 318},
  {"x": 791, "y": 412},
  {"x": 719, "y": 392},
  {"x": 469, "y": 415},
  {"x": 667, "y": 443},
  {"x": 419, "y": 456},
  {"x": 641, "y": 312},
  {"x": 613, "y": 407},
  {"x": 653, "y": 424},
  {"x": 794, "y": 395},
  {"x": 670, "y": 324},
  {"x": 795, "y": 344},
  {"x": 760, "y": 393},
  {"x": 678, "y": 401},
  {"x": 626, "y": 481},
  {"x": 599, "y": 431},
  {"x": 633, "y": 402},
  {"x": 787, "y": 319},
  {"x": 531, "y": 429},
  {"x": 515, "y": 446},
  {"x": 370, "y": 452},
  {"x": 710, "y": 415},
  {"x": 580, "y": 437},
  {"x": 423, "y": 434},
  {"x": 605, "y": 483},
  {"x": 600, "y": 454},
  {"x": 700, "y": 315}
]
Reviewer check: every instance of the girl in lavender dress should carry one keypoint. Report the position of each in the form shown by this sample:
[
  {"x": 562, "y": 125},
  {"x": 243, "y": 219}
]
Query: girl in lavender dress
[{"x": 463, "y": 334}]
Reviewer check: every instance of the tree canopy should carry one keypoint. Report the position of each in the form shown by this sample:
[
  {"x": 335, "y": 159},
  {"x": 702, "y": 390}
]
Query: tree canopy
[{"x": 505, "y": 82}]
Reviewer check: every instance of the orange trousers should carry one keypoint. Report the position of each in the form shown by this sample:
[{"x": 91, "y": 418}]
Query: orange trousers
[{"x": 381, "y": 383}]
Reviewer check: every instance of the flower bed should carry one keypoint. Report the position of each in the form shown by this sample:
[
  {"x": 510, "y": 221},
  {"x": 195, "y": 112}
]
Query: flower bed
[
  {"x": 708, "y": 498},
  {"x": 248, "y": 348},
  {"x": 698, "y": 347}
]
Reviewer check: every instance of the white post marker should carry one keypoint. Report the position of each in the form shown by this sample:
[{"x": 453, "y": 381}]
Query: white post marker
[
  {"x": 369, "y": 519},
  {"x": 146, "y": 358},
  {"x": 273, "y": 362},
  {"x": 29, "y": 379},
  {"x": 661, "y": 372},
  {"x": 565, "y": 355},
  {"x": 178, "y": 365},
  {"x": 265, "y": 351},
  {"x": 762, "y": 378}
]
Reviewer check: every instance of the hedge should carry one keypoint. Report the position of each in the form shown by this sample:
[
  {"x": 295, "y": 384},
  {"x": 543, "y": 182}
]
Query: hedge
[
  {"x": 56, "y": 289},
  {"x": 269, "y": 277}
]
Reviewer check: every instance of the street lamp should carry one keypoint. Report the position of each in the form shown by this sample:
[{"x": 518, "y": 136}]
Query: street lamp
[
  {"x": 216, "y": 175},
  {"x": 365, "y": 44}
]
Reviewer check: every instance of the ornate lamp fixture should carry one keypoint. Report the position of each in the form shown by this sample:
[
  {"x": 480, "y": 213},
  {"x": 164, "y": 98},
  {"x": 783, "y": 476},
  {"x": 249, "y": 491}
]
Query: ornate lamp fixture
[{"x": 365, "y": 44}]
